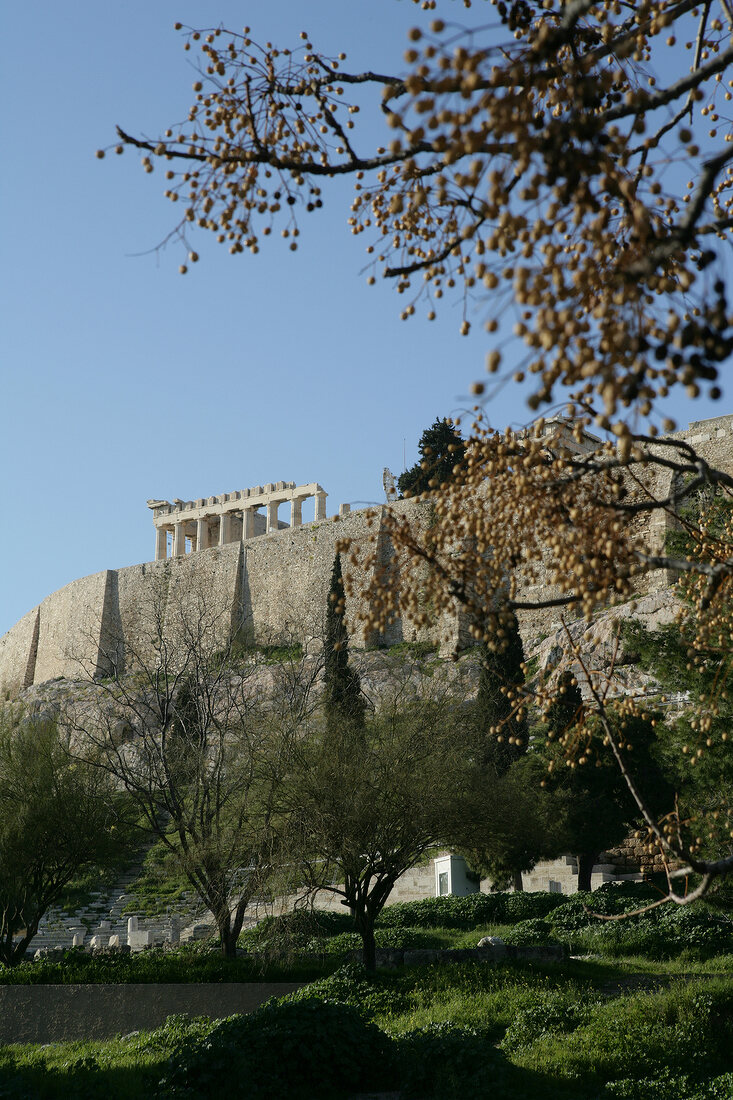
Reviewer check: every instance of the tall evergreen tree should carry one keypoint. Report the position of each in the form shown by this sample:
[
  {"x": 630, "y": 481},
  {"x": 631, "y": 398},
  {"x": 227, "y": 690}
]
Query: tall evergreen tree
[
  {"x": 344, "y": 701},
  {"x": 501, "y": 734},
  {"x": 441, "y": 448},
  {"x": 500, "y": 738},
  {"x": 594, "y": 809},
  {"x": 567, "y": 703}
]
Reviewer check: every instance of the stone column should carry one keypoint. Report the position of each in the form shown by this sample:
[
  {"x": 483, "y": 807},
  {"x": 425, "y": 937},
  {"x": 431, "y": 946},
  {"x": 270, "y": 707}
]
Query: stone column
[
  {"x": 296, "y": 511},
  {"x": 271, "y": 516},
  {"x": 179, "y": 540},
  {"x": 161, "y": 544},
  {"x": 225, "y": 529},
  {"x": 321, "y": 505},
  {"x": 202, "y": 534},
  {"x": 248, "y": 523},
  {"x": 344, "y": 509}
]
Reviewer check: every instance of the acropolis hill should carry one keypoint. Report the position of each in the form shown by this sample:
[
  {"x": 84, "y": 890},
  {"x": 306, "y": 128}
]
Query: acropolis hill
[{"x": 270, "y": 574}]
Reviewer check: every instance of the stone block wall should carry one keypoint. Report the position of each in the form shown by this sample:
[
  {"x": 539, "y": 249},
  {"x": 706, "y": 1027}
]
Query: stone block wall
[
  {"x": 18, "y": 650},
  {"x": 61, "y": 1013},
  {"x": 274, "y": 586}
]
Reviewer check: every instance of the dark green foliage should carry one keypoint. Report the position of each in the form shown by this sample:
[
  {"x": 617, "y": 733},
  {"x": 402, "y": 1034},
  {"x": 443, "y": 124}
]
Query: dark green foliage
[
  {"x": 394, "y": 938},
  {"x": 557, "y": 1011},
  {"x": 531, "y": 906},
  {"x": 610, "y": 899},
  {"x": 662, "y": 933},
  {"x": 320, "y": 932},
  {"x": 594, "y": 806},
  {"x": 670, "y": 1086},
  {"x": 527, "y": 933},
  {"x": 352, "y": 984},
  {"x": 372, "y": 801},
  {"x": 242, "y": 648},
  {"x": 510, "y": 1033},
  {"x": 304, "y": 1049},
  {"x": 57, "y": 816},
  {"x": 441, "y": 448},
  {"x": 668, "y": 655},
  {"x": 468, "y": 912},
  {"x": 453, "y": 1063},
  {"x": 299, "y": 926},
  {"x": 710, "y": 504},
  {"x": 509, "y": 818},
  {"x": 343, "y": 698},
  {"x": 682, "y": 1030},
  {"x": 566, "y": 707},
  {"x": 186, "y": 964},
  {"x": 511, "y": 822},
  {"x": 501, "y": 737}
]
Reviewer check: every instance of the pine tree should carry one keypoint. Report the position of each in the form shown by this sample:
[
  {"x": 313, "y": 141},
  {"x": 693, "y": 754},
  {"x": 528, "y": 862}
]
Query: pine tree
[
  {"x": 343, "y": 696},
  {"x": 441, "y": 448}
]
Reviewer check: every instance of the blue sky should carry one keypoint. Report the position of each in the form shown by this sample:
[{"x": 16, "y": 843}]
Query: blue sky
[{"x": 123, "y": 380}]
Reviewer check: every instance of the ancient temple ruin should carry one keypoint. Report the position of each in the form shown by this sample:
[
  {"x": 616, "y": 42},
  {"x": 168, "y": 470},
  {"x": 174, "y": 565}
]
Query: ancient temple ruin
[{"x": 231, "y": 517}]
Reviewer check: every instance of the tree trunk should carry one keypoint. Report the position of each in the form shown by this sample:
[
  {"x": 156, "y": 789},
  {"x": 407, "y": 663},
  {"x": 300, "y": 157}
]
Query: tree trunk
[
  {"x": 229, "y": 946},
  {"x": 517, "y": 881},
  {"x": 364, "y": 923},
  {"x": 227, "y": 937},
  {"x": 369, "y": 948},
  {"x": 585, "y": 861}
]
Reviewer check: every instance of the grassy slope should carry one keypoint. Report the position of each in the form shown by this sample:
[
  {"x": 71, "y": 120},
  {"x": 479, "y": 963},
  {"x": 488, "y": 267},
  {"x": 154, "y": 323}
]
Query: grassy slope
[{"x": 638, "y": 1028}]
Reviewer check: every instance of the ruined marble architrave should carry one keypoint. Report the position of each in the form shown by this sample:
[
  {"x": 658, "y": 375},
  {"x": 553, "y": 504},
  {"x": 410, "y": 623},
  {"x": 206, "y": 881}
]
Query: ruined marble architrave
[
  {"x": 231, "y": 517},
  {"x": 270, "y": 577}
]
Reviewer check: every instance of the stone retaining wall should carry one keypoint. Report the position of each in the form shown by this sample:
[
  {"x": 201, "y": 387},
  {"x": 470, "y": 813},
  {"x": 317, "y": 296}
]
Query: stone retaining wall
[
  {"x": 274, "y": 585},
  {"x": 56, "y": 1013}
]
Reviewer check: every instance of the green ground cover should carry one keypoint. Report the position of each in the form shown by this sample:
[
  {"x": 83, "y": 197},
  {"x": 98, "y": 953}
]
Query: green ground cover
[{"x": 643, "y": 1026}]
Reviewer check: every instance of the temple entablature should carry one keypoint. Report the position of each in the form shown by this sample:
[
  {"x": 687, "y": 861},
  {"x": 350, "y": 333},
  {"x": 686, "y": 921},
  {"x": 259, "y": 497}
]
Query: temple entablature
[{"x": 231, "y": 517}]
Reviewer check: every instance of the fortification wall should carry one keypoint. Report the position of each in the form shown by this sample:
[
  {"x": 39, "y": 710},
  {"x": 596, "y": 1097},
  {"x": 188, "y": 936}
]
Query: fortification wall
[
  {"x": 18, "y": 652},
  {"x": 273, "y": 586}
]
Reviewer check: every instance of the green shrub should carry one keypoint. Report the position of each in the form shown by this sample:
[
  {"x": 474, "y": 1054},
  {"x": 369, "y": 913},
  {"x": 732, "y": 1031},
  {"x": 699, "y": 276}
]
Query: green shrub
[
  {"x": 444, "y": 912},
  {"x": 661, "y": 933},
  {"x": 610, "y": 900},
  {"x": 694, "y": 926},
  {"x": 351, "y": 984},
  {"x": 282, "y": 1049},
  {"x": 468, "y": 912},
  {"x": 547, "y": 1011},
  {"x": 294, "y": 929},
  {"x": 446, "y": 1061},
  {"x": 616, "y": 940},
  {"x": 395, "y": 938},
  {"x": 195, "y": 963},
  {"x": 529, "y": 933},
  {"x": 524, "y": 906},
  {"x": 684, "y": 1030},
  {"x": 669, "y": 1086}
]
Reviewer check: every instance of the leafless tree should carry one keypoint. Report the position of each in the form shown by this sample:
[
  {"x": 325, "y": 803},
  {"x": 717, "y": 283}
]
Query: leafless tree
[{"x": 199, "y": 734}]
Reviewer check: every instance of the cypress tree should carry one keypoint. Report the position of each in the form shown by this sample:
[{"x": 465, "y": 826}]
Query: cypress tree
[
  {"x": 502, "y": 736},
  {"x": 566, "y": 707},
  {"x": 344, "y": 700}
]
